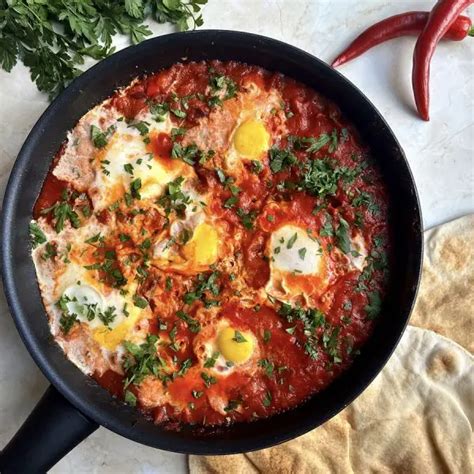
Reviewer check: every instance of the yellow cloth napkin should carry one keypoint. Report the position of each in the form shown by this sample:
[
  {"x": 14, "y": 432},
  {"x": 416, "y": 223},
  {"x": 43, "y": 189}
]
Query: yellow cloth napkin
[{"x": 417, "y": 416}]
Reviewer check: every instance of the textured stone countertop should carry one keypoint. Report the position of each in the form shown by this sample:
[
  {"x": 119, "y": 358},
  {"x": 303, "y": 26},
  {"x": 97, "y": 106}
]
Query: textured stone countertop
[{"x": 440, "y": 154}]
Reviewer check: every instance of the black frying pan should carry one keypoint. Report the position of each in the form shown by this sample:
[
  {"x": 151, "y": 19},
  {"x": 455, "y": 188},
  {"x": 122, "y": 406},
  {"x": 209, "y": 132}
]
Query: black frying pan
[{"x": 75, "y": 405}]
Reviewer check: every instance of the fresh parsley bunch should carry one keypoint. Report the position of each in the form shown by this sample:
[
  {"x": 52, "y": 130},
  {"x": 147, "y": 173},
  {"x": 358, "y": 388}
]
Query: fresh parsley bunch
[{"x": 53, "y": 37}]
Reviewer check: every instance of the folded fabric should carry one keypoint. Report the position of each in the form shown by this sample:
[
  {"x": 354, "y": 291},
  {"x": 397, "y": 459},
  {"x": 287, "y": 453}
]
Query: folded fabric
[{"x": 417, "y": 415}]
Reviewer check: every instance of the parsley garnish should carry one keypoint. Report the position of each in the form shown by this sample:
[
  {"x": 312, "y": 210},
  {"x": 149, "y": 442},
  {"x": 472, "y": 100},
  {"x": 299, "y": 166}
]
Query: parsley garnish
[
  {"x": 101, "y": 138},
  {"x": 280, "y": 159},
  {"x": 267, "y": 399},
  {"x": 142, "y": 360},
  {"x": 128, "y": 167},
  {"x": 366, "y": 200},
  {"x": 222, "y": 88},
  {"x": 246, "y": 218},
  {"x": 193, "y": 324},
  {"x": 130, "y": 398},
  {"x": 238, "y": 337},
  {"x": 292, "y": 241},
  {"x": 174, "y": 199},
  {"x": 257, "y": 166},
  {"x": 62, "y": 212},
  {"x": 211, "y": 361},
  {"x": 204, "y": 283},
  {"x": 267, "y": 366},
  {"x": 140, "y": 302},
  {"x": 208, "y": 379},
  {"x": 232, "y": 405},
  {"x": 189, "y": 154},
  {"x": 311, "y": 318},
  {"x": 135, "y": 187},
  {"x": 342, "y": 236},
  {"x": 36, "y": 235},
  {"x": 107, "y": 316},
  {"x": 374, "y": 306},
  {"x": 67, "y": 318}
]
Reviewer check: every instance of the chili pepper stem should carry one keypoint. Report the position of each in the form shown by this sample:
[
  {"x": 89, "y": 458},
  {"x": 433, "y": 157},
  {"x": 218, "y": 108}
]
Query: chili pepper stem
[{"x": 471, "y": 31}]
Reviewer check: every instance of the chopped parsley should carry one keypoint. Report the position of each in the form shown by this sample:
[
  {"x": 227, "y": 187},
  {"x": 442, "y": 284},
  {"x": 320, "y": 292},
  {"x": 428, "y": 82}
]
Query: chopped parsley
[
  {"x": 108, "y": 316},
  {"x": 36, "y": 235},
  {"x": 101, "y": 138},
  {"x": 256, "y": 166},
  {"x": 211, "y": 361},
  {"x": 67, "y": 319},
  {"x": 110, "y": 267},
  {"x": 142, "y": 360},
  {"x": 128, "y": 167},
  {"x": 246, "y": 218},
  {"x": 130, "y": 398},
  {"x": 193, "y": 324},
  {"x": 267, "y": 399},
  {"x": 174, "y": 200},
  {"x": 208, "y": 379},
  {"x": 292, "y": 241},
  {"x": 140, "y": 302},
  {"x": 232, "y": 405},
  {"x": 222, "y": 88},
  {"x": 238, "y": 337},
  {"x": 178, "y": 113},
  {"x": 62, "y": 211},
  {"x": 189, "y": 154},
  {"x": 366, "y": 200},
  {"x": 280, "y": 159},
  {"x": 135, "y": 187},
  {"x": 267, "y": 366},
  {"x": 331, "y": 344},
  {"x": 311, "y": 318},
  {"x": 204, "y": 283},
  {"x": 375, "y": 305},
  {"x": 342, "y": 236},
  {"x": 141, "y": 126}
]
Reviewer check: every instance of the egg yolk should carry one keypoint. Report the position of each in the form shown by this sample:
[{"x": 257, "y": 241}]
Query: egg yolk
[
  {"x": 251, "y": 139},
  {"x": 203, "y": 246},
  {"x": 235, "y": 346},
  {"x": 111, "y": 338}
]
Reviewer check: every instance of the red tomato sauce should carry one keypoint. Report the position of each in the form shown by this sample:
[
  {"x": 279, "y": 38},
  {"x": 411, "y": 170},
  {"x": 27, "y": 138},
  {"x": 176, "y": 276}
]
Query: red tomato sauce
[{"x": 289, "y": 376}]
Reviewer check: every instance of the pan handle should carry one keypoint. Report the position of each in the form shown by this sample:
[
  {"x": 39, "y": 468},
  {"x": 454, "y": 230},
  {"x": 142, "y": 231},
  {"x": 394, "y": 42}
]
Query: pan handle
[{"x": 52, "y": 429}]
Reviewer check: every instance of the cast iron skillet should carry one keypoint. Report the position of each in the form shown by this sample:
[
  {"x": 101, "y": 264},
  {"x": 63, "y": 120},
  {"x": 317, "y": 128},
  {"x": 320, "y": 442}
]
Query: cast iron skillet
[{"x": 75, "y": 405}]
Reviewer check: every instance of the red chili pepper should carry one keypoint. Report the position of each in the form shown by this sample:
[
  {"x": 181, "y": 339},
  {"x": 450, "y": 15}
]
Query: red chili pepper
[
  {"x": 409, "y": 23},
  {"x": 441, "y": 18}
]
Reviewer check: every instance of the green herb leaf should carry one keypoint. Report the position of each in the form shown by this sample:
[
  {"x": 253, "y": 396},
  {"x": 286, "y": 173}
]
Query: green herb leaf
[
  {"x": 100, "y": 138},
  {"x": 238, "y": 337},
  {"x": 211, "y": 361},
  {"x": 130, "y": 398},
  {"x": 193, "y": 324},
  {"x": 280, "y": 159},
  {"x": 208, "y": 379},
  {"x": 140, "y": 302},
  {"x": 375, "y": 305},
  {"x": 342, "y": 236},
  {"x": 36, "y": 235}
]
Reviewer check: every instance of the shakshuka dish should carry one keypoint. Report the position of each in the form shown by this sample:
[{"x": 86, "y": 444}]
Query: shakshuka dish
[{"x": 211, "y": 244}]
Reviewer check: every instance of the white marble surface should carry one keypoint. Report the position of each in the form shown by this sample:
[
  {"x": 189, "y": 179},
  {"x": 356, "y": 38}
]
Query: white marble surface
[{"x": 440, "y": 154}]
